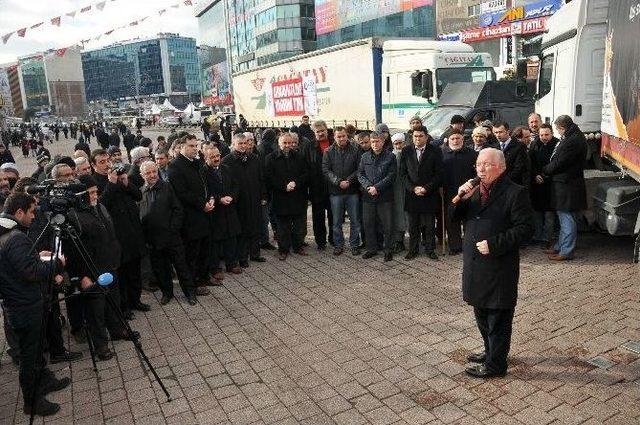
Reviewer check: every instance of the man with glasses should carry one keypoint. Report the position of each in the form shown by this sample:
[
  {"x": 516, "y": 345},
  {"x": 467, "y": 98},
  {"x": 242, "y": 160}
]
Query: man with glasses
[{"x": 498, "y": 218}]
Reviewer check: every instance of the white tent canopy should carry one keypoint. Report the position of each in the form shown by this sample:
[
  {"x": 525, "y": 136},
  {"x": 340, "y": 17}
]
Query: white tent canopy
[
  {"x": 168, "y": 106},
  {"x": 188, "y": 111},
  {"x": 155, "y": 110}
]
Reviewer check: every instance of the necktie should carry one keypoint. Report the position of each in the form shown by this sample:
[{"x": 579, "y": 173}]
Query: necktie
[
  {"x": 420, "y": 153},
  {"x": 555, "y": 149},
  {"x": 502, "y": 145},
  {"x": 484, "y": 193}
]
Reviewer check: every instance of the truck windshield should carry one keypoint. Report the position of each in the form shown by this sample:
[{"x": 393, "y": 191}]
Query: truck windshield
[
  {"x": 445, "y": 76},
  {"x": 438, "y": 120}
]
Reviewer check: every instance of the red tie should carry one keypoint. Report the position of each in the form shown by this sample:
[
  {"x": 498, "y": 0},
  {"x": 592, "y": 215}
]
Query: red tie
[{"x": 484, "y": 193}]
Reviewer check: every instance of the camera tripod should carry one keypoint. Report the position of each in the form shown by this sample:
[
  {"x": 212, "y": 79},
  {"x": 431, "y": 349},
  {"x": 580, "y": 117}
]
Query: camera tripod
[{"x": 62, "y": 229}]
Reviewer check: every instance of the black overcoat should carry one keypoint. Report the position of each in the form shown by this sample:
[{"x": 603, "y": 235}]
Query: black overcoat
[
  {"x": 280, "y": 169},
  {"x": 224, "y": 220},
  {"x": 426, "y": 173},
  {"x": 566, "y": 169},
  {"x": 189, "y": 186},
  {"x": 505, "y": 221},
  {"x": 540, "y": 155}
]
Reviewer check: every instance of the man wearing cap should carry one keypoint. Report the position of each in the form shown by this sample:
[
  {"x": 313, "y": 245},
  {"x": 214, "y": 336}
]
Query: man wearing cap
[
  {"x": 40, "y": 174},
  {"x": 138, "y": 155},
  {"x": 383, "y": 129},
  {"x": 456, "y": 123},
  {"x": 414, "y": 123},
  {"x": 11, "y": 172},
  {"x": 399, "y": 216}
]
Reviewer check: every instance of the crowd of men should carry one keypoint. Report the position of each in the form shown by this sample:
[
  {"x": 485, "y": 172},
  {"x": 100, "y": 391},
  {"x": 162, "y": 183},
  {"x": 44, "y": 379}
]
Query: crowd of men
[{"x": 199, "y": 208}]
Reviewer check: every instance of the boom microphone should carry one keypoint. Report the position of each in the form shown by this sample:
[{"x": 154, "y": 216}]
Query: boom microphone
[{"x": 475, "y": 182}]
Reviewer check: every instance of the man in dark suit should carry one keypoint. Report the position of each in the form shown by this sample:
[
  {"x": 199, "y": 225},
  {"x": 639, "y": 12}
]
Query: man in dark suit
[
  {"x": 421, "y": 171},
  {"x": 568, "y": 189},
  {"x": 515, "y": 155},
  {"x": 286, "y": 175},
  {"x": 497, "y": 215},
  {"x": 189, "y": 186},
  {"x": 540, "y": 156}
]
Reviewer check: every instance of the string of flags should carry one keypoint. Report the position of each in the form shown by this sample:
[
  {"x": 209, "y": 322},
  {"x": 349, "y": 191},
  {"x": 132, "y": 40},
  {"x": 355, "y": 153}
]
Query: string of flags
[{"x": 57, "y": 20}]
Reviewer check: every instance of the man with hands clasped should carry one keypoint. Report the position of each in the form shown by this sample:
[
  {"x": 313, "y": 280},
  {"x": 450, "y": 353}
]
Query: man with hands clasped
[{"x": 498, "y": 218}]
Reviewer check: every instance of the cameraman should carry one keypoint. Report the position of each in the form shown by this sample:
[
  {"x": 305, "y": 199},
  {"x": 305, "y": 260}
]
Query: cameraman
[
  {"x": 21, "y": 276},
  {"x": 120, "y": 198}
]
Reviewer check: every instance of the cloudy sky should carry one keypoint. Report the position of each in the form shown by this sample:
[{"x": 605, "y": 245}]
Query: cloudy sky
[{"x": 16, "y": 14}]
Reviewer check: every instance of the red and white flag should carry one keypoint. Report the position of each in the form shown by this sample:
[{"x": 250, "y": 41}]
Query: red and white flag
[
  {"x": 61, "y": 52},
  {"x": 21, "y": 32},
  {"x": 72, "y": 14},
  {"x": 188, "y": 3},
  {"x": 108, "y": 32},
  {"x": 162, "y": 12},
  {"x": 55, "y": 21},
  {"x": 133, "y": 24},
  {"x": 36, "y": 25},
  {"x": 6, "y": 37},
  {"x": 85, "y": 9},
  {"x": 100, "y": 5}
]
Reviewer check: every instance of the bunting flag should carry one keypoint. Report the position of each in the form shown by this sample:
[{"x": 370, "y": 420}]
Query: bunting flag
[
  {"x": 162, "y": 11},
  {"x": 133, "y": 24},
  {"x": 109, "y": 32},
  {"x": 72, "y": 14},
  {"x": 85, "y": 9},
  {"x": 143, "y": 19},
  {"x": 55, "y": 21},
  {"x": 188, "y": 3},
  {"x": 6, "y": 37},
  {"x": 175, "y": 6},
  {"x": 100, "y": 5},
  {"x": 61, "y": 52},
  {"x": 36, "y": 25},
  {"x": 21, "y": 32}
]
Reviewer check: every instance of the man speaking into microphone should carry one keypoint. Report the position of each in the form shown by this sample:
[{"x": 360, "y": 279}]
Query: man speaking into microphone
[{"x": 498, "y": 218}]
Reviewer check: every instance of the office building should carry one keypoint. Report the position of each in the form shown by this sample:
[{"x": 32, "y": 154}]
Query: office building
[{"x": 166, "y": 66}]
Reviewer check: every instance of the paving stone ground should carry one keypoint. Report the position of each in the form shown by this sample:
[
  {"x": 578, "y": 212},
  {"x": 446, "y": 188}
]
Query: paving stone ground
[
  {"x": 325, "y": 340},
  {"x": 340, "y": 340}
]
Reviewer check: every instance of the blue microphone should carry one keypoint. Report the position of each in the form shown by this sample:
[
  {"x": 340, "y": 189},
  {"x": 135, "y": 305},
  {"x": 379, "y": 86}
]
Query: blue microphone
[{"x": 105, "y": 279}]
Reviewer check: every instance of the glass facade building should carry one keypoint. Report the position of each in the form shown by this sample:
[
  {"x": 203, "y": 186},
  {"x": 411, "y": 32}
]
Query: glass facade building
[
  {"x": 264, "y": 31},
  {"x": 166, "y": 65},
  {"x": 340, "y": 21},
  {"x": 34, "y": 81}
]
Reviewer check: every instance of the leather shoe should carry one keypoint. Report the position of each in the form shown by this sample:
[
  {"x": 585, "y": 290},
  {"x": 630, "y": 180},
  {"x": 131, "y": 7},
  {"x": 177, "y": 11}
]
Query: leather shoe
[
  {"x": 322, "y": 247},
  {"x": 42, "y": 407},
  {"x": 218, "y": 275},
  {"x": 432, "y": 255},
  {"x": 410, "y": 255},
  {"x": 54, "y": 384},
  {"x": 202, "y": 291},
  {"x": 455, "y": 251},
  {"x": 268, "y": 246},
  {"x": 141, "y": 306},
  {"x": 165, "y": 299},
  {"x": 550, "y": 251},
  {"x": 65, "y": 356},
  {"x": 104, "y": 353},
  {"x": 128, "y": 314},
  {"x": 369, "y": 254},
  {"x": 282, "y": 256},
  {"x": 302, "y": 252},
  {"x": 192, "y": 300},
  {"x": 477, "y": 357},
  {"x": 481, "y": 371},
  {"x": 356, "y": 251},
  {"x": 244, "y": 264},
  {"x": 235, "y": 270},
  {"x": 258, "y": 259},
  {"x": 338, "y": 251},
  {"x": 125, "y": 336},
  {"x": 388, "y": 256},
  {"x": 558, "y": 257}
]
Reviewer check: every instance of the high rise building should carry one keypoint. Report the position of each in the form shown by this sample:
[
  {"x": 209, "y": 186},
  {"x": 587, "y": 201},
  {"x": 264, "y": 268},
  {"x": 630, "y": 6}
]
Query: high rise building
[
  {"x": 212, "y": 54},
  {"x": 339, "y": 21},
  {"x": 163, "y": 66},
  {"x": 10, "y": 90},
  {"x": 52, "y": 82}
]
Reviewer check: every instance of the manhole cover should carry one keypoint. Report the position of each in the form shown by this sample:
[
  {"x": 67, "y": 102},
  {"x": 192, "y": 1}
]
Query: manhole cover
[
  {"x": 601, "y": 362},
  {"x": 633, "y": 346}
]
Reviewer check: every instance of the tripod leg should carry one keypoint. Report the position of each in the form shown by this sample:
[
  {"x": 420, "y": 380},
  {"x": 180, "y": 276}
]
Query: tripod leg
[{"x": 92, "y": 349}]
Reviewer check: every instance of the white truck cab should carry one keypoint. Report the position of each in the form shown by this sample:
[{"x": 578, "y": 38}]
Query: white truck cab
[
  {"x": 572, "y": 65},
  {"x": 415, "y": 72}
]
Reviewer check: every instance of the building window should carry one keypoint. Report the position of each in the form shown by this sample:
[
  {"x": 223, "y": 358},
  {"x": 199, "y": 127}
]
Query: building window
[{"x": 474, "y": 10}]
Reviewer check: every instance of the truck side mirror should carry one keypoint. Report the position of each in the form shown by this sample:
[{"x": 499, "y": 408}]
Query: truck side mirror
[{"x": 521, "y": 89}]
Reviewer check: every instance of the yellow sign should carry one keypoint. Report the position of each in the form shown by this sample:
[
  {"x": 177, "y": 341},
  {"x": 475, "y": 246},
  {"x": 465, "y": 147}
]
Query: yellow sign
[{"x": 513, "y": 14}]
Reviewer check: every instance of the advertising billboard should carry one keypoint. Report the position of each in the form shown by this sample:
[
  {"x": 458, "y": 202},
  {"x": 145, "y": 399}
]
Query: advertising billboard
[
  {"x": 332, "y": 15},
  {"x": 520, "y": 13},
  {"x": 5, "y": 93},
  {"x": 215, "y": 85}
]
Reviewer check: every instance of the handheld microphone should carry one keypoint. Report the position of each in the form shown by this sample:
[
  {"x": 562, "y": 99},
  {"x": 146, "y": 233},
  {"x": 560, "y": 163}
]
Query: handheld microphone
[
  {"x": 105, "y": 279},
  {"x": 475, "y": 182}
]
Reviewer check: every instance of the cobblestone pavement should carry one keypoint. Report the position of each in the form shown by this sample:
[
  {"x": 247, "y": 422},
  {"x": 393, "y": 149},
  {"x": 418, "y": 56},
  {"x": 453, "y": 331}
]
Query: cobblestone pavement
[{"x": 324, "y": 340}]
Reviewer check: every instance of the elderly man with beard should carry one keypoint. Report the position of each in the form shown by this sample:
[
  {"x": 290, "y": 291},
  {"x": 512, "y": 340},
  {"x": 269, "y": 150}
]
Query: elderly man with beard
[
  {"x": 286, "y": 176},
  {"x": 245, "y": 168},
  {"x": 498, "y": 218},
  {"x": 161, "y": 215},
  {"x": 224, "y": 221}
]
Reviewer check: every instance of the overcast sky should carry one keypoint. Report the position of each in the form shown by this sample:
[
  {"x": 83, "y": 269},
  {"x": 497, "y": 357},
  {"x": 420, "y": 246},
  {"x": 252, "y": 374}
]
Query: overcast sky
[{"x": 16, "y": 14}]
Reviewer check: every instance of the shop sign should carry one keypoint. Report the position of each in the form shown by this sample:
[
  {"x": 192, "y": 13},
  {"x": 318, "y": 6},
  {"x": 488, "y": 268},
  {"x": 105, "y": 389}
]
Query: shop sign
[
  {"x": 493, "y": 6},
  {"x": 520, "y": 13},
  {"x": 529, "y": 26}
]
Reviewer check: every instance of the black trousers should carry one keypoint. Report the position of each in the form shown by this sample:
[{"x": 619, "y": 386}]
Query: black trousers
[
  {"x": 377, "y": 218},
  {"x": 55, "y": 343},
  {"x": 130, "y": 283},
  {"x": 291, "y": 230},
  {"x": 161, "y": 262},
  {"x": 454, "y": 229},
  {"x": 197, "y": 255},
  {"x": 418, "y": 222},
  {"x": 101, "y": 315},
  {"x": 248, "y": 246},
  {"x": 495, "y": 326},
  {"x": 224, "y": 250},
  {"x": 321, "y": 213},
  {"x": 25, "y": 325}
]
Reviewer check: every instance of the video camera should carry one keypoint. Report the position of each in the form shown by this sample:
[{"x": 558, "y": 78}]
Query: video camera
[{"x": 56, "y": 197}]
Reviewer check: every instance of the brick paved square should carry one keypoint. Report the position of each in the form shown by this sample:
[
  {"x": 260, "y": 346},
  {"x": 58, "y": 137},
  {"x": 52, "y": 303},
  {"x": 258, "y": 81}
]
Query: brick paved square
[{"x": 320, "y": 340}]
